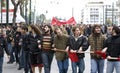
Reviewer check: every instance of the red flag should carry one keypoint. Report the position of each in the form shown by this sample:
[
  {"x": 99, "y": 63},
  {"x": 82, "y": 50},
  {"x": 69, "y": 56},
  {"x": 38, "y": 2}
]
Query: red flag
[
  {"x": 118, "y": 59},
  {"x": 73, "y": 57},
  {"x": 102, "y": 54}
]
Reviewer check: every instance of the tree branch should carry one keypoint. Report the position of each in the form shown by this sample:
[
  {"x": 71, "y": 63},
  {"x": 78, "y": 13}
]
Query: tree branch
[
  {"x": 13, "y": 2},
  {"x": 19, "y": 1},
  {"x": 16, "y": 4}
]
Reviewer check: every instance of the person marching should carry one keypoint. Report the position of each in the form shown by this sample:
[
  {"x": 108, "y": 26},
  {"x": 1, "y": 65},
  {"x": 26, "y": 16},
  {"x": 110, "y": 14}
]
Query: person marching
[
  {"x": 77, "y": 43},
  {"x": 60, "y": 42},
  {"x": 25, "y": 49},
  {"x": 46, "y": 46},
  {"x": 112, "y": 48},
  {"x": 96, "y": 41},
  {"x": 35, "y": 52},
  {"x": 17, "y": 47},
  {"x": 3, "y": 47}
]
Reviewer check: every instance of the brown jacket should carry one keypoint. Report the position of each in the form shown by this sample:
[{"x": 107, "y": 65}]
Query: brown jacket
[
  {"x": 96, "y": 43},
  {"x": 61, "y": 43}
]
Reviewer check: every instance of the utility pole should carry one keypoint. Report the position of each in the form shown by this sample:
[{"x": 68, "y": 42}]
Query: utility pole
[
  {"x": 103, "y": 14},
  {"x": 106, "y": 15},
  {"x": 7, "y": 12},
  {"x": 1, "y": 1},
  {"x": 112, "y": 14}
]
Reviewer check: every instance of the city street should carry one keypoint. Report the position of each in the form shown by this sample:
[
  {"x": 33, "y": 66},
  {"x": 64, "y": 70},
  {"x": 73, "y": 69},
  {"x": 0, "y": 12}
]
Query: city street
[
  {"x": 35, "y": 25},
  {"x": 12, "y": 68}
]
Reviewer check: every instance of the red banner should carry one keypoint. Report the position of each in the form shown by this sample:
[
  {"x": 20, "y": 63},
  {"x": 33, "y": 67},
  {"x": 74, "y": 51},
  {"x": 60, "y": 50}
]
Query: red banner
[
  {"x": 71, "y": 21},
  {"x": 57, "y": 22},
  {"x": 54, "y": 21}
]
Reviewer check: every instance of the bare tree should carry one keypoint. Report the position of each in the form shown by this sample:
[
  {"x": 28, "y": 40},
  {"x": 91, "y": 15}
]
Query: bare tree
[
  {"x": 16, "y": 3},
  {"x": 22, "y": 6}
]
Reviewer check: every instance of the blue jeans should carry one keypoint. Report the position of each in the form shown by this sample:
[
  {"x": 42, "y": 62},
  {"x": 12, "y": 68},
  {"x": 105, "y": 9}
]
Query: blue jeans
[
  {"x": 1, "y": 64},
  {"x": 97, "y": 66},
  {"x": 11, "y": 51},
  {"x": 80, "y": 64},
  {"x": 63, "y": 66},
  {"x": 25, "y": 61},
  {"x": 47, "y": 58},
  {"x": 27, "y": 66},
  {"x": 22, "y": 59},
  {"x": 111, "y": 65}
]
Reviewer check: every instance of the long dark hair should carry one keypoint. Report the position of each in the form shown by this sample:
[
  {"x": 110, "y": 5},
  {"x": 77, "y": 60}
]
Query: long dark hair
[{"x": 36, "y": 29}]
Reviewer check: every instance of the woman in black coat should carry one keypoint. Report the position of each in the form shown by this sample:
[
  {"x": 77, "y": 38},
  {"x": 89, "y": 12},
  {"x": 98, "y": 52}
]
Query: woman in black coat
[{"x": 35, "y": 52}]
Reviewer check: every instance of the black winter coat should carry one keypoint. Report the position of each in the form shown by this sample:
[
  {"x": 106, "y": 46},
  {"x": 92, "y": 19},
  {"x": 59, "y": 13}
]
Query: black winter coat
[
  {"x": 24, "y": 42},
  {"x": 75, "y": 45},
  {"x": 113, "y": 45},
  {"x": 33, "y": 43}
]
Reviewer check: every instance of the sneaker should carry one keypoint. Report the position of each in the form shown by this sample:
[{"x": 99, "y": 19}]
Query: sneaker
[{"x": 10, "y": 62}]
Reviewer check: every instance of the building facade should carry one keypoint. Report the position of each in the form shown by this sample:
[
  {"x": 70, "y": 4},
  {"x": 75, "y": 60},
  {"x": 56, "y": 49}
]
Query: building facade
[
  {"x": 118, "y": 5},
  {"x": 99, "y": 13}
]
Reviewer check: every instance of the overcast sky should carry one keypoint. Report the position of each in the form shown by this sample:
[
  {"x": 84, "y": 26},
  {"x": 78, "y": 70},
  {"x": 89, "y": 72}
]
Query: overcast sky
[{"x": 63, "y": 8}]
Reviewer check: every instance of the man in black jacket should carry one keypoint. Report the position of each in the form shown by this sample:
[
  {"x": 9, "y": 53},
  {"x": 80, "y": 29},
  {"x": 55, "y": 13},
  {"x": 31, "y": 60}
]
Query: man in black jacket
[
  {"x": 113, "y": 51},
  {"x": 3, "y": 46},
  {"x": 25, "y": 49},
  {"x": 17, "y": 47}
]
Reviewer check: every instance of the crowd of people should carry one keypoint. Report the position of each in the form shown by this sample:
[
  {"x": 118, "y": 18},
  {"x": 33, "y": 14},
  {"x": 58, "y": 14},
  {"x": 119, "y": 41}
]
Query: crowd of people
[{"x": 33, "y": 46}]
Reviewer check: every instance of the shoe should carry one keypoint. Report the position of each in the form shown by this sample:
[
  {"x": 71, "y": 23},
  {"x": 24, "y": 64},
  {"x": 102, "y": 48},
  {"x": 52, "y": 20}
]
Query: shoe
[
  {"x": 10, "y": 62},
  {"x": 19, "y": 68}
]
